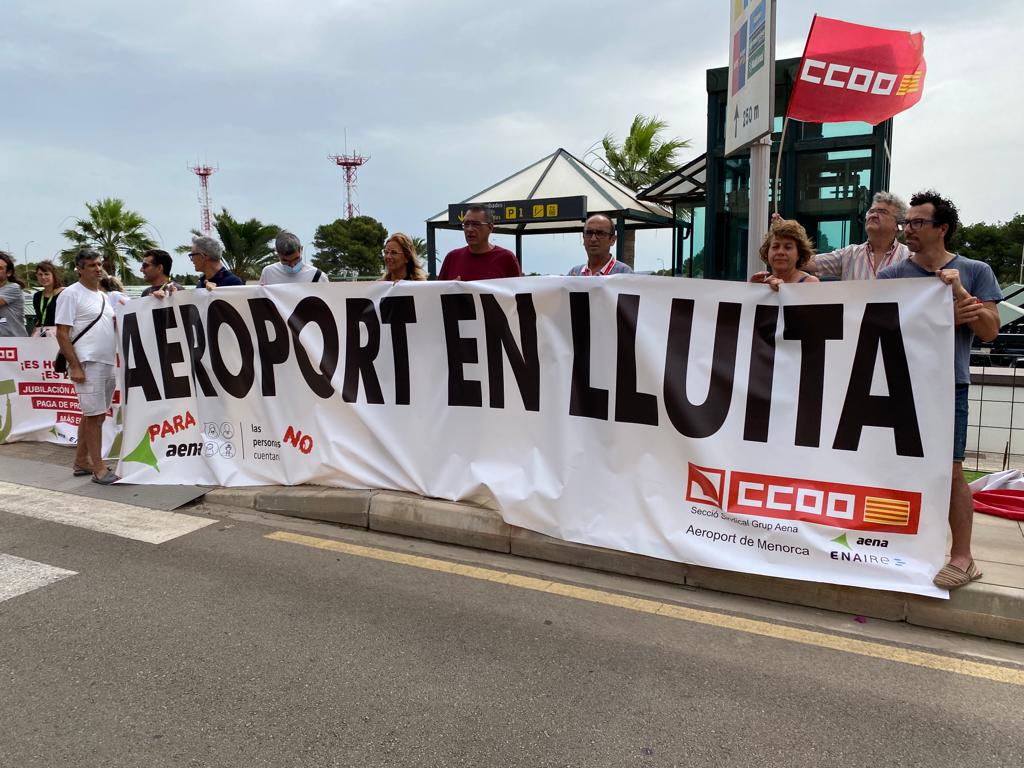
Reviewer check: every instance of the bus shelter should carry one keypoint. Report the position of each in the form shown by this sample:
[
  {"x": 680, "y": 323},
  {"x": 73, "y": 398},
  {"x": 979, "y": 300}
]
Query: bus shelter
[{"x": 558, "y": 177}]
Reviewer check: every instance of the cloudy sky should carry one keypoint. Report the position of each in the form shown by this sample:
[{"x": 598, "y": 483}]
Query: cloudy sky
[{"x": 116, "y": 99}]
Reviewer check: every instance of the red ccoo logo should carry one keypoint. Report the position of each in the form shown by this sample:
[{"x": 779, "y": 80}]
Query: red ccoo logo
[{"x": 840, "y": 505}]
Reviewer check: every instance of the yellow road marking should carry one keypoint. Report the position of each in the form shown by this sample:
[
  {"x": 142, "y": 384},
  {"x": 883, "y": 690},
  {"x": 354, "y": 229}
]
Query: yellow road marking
[{"x": 751, "y": 626}]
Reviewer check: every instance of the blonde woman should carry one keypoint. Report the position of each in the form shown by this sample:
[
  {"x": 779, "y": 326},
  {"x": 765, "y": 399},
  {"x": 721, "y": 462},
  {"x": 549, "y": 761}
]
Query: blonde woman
[{"x": 400, "y": 261}]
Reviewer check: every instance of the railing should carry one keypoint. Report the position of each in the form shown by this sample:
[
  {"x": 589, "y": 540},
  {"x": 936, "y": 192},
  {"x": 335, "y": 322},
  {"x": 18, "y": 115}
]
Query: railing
[{"x": 995, "y": 426}]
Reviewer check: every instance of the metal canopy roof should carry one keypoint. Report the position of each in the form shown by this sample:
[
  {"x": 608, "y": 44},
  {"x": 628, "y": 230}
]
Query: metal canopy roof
[
  {"x": 561, "y": 174},
  {"x": 688, "y": 183}
]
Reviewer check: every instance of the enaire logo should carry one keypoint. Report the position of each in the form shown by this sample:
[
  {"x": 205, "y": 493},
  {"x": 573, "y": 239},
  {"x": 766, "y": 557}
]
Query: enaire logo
[
  {"x": 851, "y": 507},
  {"x": 835, "y": 75},
  {"x": 8, "y": 354}
]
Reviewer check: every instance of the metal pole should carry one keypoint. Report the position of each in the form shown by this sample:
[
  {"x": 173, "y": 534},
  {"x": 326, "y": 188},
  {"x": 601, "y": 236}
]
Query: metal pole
[
  {"x": 431, "y": 252},
  {"x": 760, "y": 175},
  {"x": 1020, "y": 277}
]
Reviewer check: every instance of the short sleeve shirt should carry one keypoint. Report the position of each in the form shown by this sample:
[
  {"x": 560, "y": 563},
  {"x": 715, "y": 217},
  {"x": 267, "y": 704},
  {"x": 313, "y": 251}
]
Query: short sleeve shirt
[
  {"x": 275, "y": 274},
  {"x": 12, "y": 313},
  {"x": 223, "y": 279},
  {"x": 612, "y": 267},
  {"x": 855, "y": 262},
  {"x": 463, "y": 264},
  {"x": 978, "y": 279},
  {"x": 77, "y": 307}
]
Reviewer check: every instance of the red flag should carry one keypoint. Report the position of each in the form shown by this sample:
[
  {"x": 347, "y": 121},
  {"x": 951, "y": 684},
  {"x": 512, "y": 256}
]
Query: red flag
[{"x": 852, "y": 72}]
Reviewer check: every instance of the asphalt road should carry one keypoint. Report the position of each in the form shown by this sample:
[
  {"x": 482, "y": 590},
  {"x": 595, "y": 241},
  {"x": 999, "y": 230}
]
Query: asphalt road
[{"x": 223, "y": 647}]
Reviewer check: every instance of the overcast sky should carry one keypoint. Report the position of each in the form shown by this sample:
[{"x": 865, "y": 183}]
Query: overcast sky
[{"x": 116, "y": 99}]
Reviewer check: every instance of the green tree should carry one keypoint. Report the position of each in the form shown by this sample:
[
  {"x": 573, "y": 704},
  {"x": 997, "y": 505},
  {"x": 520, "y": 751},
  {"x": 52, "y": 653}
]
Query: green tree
[
  {"x": 349, "y": 246},
  {"x": 113, "y": 230},
  {"x": 421, "y": 247},
  {"x": 637, "y": 162},
  {"x": 998, "y": 245},
  {"x": 248, "y": 245}
]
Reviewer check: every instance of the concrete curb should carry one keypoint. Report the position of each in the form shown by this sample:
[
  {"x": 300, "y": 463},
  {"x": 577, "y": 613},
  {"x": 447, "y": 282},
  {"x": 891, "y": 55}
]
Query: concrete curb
[{"x": 984, "y": 610}]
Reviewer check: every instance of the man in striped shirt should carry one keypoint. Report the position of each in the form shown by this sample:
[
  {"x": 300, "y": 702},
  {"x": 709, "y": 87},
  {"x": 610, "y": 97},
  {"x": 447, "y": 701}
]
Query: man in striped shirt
[{"x": 863, "y": 261}]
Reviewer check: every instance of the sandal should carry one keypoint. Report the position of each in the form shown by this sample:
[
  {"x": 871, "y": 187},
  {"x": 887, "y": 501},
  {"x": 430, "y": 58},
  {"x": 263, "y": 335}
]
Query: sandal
[
  {"x": 952, "y": 577},
  {"x": 108, "y": 479},
  {"x": 78, "y": 471}
]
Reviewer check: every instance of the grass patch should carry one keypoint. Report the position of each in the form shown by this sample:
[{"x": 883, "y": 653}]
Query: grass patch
[{"x": 971, "y": 475}]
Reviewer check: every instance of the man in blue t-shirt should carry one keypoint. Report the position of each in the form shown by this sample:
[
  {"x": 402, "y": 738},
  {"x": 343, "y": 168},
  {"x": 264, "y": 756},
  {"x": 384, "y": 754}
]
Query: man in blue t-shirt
[{"x": 930, "y": 224}]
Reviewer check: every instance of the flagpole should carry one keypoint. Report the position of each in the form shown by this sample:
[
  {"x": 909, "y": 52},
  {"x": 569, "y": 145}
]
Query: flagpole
[
  {"x": 778, "y": 162},
  {"x": 785, "y": 122}
]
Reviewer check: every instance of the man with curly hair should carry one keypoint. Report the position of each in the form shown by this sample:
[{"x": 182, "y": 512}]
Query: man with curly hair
[{"x": 930, "y": 224}]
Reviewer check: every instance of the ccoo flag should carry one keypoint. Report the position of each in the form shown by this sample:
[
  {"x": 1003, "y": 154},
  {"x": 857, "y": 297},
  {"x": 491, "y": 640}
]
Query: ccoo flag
[{"x": 852, "y": 72}]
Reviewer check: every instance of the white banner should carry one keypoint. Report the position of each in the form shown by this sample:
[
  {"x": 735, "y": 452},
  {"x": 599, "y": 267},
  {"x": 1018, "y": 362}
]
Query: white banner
[
  {"x": 39, "y": 404},
  {"x": 805, "y": 434}
]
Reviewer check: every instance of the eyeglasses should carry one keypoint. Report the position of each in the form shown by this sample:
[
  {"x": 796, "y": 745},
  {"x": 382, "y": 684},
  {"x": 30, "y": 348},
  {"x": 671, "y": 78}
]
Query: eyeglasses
[
  {"x": 598, "y": 233},
  {"x": 915, "y": 224},
  {"x": 473, "y": 224},
  {"x": 880, "y": 212},
  {"x": 194, "y": 254},
  {"x": 387, "y": 253},
  {"x": 146, "y": 265}
]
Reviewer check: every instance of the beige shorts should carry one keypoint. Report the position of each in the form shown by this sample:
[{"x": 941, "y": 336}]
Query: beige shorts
[{"x": 96, "y": 393}]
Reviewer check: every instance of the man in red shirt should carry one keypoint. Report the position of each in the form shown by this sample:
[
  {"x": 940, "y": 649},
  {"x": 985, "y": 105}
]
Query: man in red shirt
[{"x": 479, "y": 260}]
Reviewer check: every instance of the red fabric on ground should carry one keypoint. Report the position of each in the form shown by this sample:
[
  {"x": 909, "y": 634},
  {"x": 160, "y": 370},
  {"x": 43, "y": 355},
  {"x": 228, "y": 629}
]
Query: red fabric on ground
[{"x": 1003, "y": 503}]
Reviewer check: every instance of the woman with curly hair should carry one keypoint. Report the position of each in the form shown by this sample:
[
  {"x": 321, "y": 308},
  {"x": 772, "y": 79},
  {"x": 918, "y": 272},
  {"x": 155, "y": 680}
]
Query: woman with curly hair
[
  {"x": 400, "y": 261},
  {"x": 786, "y": 250}
]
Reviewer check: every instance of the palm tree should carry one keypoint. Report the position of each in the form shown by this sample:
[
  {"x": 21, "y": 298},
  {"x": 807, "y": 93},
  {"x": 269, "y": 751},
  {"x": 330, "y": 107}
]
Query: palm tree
[
  {"x": 421, "y": 247},
  {"x": 247, "y": 244},
  {"x": 640, "y": 160},
  {"x": 113, "y": 230}
]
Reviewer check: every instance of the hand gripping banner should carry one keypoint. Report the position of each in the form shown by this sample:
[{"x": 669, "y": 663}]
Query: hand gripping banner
[
  {"x": 853, "y": 72},
  {"x": 804, "y": 434}
]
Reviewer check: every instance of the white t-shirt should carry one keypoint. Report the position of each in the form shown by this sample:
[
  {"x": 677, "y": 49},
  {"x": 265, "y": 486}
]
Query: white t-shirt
[
  {"x": 275, "y": 273},
  {"x": 77, "y": 306}
]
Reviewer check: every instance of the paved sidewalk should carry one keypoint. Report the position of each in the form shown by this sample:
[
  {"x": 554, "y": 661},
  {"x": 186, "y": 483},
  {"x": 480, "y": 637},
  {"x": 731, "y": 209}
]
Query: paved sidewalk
[{"x": 992, "y": 607}]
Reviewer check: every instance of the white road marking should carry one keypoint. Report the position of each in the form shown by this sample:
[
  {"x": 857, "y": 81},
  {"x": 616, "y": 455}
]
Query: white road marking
[
  {"x": 153, "y": 526},
  {"x": 18, "y": 576}
]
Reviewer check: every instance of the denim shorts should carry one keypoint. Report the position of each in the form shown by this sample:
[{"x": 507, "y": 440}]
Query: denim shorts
[
  {"x": 960, "y": 422},
  {"x": 97, "y": 391}
]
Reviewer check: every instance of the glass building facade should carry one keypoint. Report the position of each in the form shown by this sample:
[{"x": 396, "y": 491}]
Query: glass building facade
[{"x": 828, "y": 176}]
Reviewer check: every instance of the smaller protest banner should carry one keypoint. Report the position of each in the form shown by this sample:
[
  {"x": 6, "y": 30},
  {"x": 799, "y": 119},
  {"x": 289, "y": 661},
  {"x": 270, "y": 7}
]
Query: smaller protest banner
[{"x": 39, "y": 404}]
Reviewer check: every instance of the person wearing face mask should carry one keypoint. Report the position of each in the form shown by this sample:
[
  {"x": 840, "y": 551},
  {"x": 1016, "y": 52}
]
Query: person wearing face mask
[{"x": 290, "y": 267}]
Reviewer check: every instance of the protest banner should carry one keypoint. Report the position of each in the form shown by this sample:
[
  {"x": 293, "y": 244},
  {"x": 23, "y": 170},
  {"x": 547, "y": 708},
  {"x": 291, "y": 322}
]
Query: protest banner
[
  {"x": 805, "y": 434},
  {"x": 39, "y": 404}
]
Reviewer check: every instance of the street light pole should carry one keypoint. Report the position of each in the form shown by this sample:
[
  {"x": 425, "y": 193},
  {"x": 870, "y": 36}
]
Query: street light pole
[{"x": 26, "y": 249}]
